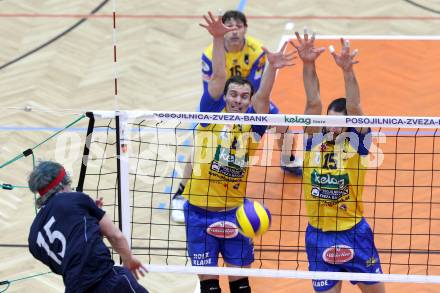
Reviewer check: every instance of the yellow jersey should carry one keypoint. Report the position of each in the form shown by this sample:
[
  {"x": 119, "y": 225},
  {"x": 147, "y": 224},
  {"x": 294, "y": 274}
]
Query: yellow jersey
[
  {"x": 221, "y": 158},
  {"x": 333, "y": 180},
  {"x": 248, "y": 62}
]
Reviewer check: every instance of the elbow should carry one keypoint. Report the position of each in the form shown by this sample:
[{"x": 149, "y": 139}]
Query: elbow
[
  {"x": 354, "y": 109},
  {"x": 353, "y": 106},
  {"x": 115, "y": 237},
  {"x": 218, "y": 76},
  {"x": 219, "y": 72},
  {"x": 314, "y": 104},
  {"x": 313, "y": 108},
  {"x": 119, "y": 237}
]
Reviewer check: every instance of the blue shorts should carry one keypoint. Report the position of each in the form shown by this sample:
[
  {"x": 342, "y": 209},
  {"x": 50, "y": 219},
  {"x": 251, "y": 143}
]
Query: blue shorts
[
  {"x": 210, "y": 233},
  {"x": 352, "y": 250},
  {"x": 118, "y": 279}
]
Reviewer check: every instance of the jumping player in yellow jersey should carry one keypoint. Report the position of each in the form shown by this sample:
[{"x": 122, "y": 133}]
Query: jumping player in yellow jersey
[
  {"x": 243, "y": 53},
  {"x": 338, "y": 238},
  {"x": 244, "y": 57},
  {"x": 220, "y": 165}
]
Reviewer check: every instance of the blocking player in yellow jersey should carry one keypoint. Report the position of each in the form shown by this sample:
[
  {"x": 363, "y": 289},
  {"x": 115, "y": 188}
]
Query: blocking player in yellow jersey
[
  {"x": 220, "y": 165},
  {"x": 244, "y": 57},
  {"x": 243, "y": 53},
  {"x": 338, "y": 238}
]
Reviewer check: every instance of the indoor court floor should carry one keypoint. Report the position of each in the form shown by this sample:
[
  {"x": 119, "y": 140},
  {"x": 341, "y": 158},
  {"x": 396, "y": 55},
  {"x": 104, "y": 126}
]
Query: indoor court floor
[{"x": 58, "y": 61}]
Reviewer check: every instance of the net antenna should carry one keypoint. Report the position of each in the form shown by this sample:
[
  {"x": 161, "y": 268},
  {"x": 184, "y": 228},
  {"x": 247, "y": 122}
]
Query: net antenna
[
  {"x": 123, "y": 174},
  {"x": 121, "y": 147},
  {"x": 86, "y": 152}
]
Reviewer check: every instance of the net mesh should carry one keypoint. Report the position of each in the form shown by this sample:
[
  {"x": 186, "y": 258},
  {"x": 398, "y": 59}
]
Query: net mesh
[
  {"x": 400, "y": 192},
  {"x": 101, "y": 177}
]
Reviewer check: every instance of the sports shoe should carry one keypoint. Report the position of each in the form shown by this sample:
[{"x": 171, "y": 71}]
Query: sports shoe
[
  {"x": 177, "y": 203},
  {"x": 177, "y": 214},
  {"x": 293, "y": 166}
]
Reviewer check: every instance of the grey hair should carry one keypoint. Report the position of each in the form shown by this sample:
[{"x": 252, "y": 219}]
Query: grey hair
[{"x": 43, "y": 174}]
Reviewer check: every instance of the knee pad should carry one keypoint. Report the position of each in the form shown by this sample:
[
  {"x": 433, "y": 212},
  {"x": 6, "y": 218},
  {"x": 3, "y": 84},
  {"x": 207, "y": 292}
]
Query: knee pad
[
  {"x": 210, "y": 286},
  {"x": 240, "y": 286}
]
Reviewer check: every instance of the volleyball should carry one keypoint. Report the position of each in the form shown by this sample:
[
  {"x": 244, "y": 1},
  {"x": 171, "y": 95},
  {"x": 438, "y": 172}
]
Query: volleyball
[{"x": 253, "y": 219}]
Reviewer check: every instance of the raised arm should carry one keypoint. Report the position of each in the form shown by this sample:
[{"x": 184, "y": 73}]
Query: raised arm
[
  {"x": 261, "y": 99},
  {"x": 217, "y": 29},
  {"x": 308, "y": 54},
  {"x": 120, "y": 245},
  {"x": 345, "y": 60}
]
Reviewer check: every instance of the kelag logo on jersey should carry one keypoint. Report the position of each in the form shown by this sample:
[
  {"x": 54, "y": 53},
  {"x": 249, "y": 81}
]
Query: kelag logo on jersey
[
  {"x": 223, "y": 155},
  {"x": 231, "y": 158},
  {"x": 328, "y": 186}
]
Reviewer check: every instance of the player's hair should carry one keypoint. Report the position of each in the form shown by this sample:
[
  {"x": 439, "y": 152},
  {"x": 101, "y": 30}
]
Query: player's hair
[
  {"x": 237, "y": 80},
  {"x": 43, "y": 174},
  {"x": 338, "y": 105},
  {"x": 234, "y": 14}
]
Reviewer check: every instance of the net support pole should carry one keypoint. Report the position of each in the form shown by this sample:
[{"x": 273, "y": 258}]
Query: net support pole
[{"x": 123, "y": 177}]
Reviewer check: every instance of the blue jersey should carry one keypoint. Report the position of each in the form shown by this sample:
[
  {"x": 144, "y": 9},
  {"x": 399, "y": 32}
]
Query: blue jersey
[{"x": 65, "y": 236}]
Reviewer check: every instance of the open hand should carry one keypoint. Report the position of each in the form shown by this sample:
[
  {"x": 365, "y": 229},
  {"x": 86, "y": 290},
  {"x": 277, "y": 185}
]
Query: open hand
[
  {"x": 100, "y": 202},
  {"x": 135, "y": 266},
  {"x": 306, "y": 48},
  {"x": 215, "y": 26},
  {"x": 345, "y": 59},
  {"x": 280, "y": 59}
]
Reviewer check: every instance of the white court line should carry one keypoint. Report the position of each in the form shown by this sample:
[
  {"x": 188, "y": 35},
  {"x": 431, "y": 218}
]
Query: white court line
[
  {"x": 197, "y": 289},
  {"x": 51, "y": 283},
  {"x": 13, "y": 197},
  {"x": 382, "y": 37},
  {"x": 3, "y": 215},
  {"x": 4, "y": 224},
  {"x": 285, "y": 38},
  {"x": 7, "y": 203}
]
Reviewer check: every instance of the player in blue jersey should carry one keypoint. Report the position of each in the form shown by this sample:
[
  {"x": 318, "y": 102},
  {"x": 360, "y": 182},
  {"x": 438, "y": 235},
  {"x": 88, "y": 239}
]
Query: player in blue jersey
[{"x": 67, "y": 236}]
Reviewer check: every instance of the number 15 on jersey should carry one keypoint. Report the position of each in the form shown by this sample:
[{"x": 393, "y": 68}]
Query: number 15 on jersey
[{"x": 52, "y": 235}]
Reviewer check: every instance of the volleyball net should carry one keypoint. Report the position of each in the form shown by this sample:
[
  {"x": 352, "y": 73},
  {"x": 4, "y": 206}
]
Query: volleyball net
[{"x": 136, "y": 160}]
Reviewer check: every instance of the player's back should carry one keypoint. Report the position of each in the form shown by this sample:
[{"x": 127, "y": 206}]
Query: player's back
[{"x": 65, "y": 236}]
